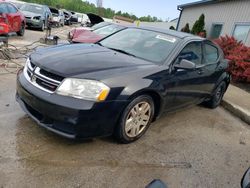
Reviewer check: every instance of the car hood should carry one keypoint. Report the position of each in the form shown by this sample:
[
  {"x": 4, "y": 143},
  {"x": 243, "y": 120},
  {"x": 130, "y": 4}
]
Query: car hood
[
  {"x": 87, "y": 37},
  {"x": 79, "y": 31},
  {"x": 79, "y": 59},
  {"x": 95, "y": 19},
  {"x": 30, "y": 14}
]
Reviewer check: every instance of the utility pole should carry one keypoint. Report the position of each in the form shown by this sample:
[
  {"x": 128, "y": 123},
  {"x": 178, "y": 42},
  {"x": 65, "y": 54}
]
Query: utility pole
[{"x": 100, "y": 7}]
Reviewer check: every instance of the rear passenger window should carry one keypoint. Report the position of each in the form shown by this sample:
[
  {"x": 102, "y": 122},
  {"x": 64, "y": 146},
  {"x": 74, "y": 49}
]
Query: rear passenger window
[{"x": 211, "y": 54}]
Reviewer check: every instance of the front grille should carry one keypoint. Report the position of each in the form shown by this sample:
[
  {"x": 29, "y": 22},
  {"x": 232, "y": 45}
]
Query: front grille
[
  {"x": 41, "y": 78},
  {"x": 51, "y": 75},
  {"x": 27, "y": 17},
  {"x": 47, "y": 85}
]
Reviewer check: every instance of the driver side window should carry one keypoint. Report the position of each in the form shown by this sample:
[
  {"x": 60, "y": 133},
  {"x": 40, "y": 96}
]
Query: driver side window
[{"x": 191, "y": 52}]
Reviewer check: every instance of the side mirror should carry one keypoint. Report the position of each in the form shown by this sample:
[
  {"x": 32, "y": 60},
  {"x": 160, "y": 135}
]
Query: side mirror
[
  {"x": 185, "y": 64},
  {"x": 156, "y": 184},
  {"x": 245, "y": 182}
]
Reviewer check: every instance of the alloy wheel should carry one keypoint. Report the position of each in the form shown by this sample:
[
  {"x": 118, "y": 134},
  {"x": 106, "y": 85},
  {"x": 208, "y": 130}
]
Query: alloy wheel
[{"x": 137, "y": 119}]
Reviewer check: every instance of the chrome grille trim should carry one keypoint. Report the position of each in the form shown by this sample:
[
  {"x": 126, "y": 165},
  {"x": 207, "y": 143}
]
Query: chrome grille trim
[
  {"x": 36, "y": 74},
  {"x": 29, "y": 66}
]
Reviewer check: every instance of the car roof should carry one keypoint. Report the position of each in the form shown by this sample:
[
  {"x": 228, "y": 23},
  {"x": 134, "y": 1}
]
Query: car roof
[
  {"x": 36, "y": 4},
  {"x": 4, "y": 1},
  {"x": 174, "y": 33}
]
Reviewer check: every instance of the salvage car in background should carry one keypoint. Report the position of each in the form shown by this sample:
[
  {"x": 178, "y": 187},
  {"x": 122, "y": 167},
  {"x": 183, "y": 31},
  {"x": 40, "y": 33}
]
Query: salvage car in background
[
  {"x": 11, "y": 19},
  {"x": 80, "y": 17},
  {"x": 93, "y": 19},
  {"x": 96, "y": 35},
  {"x": 74, "y": 18},
  {"x": 80, "y": 30},
  {"x": 18, "y": 4},
  {"x": 122, "y": 83},
  {"x": 57, "y": 17},
  {"x": 36, "y": 15},
  {"x": 67, "y": 17}
]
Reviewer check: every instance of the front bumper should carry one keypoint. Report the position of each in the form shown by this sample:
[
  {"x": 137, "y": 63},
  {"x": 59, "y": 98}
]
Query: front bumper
[
  {"x": 34, "y": 24},
  {"x": 66, "y": 116}
]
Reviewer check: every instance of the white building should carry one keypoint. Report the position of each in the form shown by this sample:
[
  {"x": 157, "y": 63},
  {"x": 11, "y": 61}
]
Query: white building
[{"x": 222, "y": 17}]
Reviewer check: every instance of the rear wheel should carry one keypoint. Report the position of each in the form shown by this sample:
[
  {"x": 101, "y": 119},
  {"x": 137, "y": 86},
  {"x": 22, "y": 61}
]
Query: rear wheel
[
  {"x": 216, "y": 99},
  {"x": 62, "y": 23},
  {"x": 22, "y": 30},
  {"x": 135, "y": 119}
]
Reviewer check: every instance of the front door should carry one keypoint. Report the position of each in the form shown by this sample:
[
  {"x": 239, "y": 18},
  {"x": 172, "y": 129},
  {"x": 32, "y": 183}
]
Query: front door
[{"x": 187, "y": 85}]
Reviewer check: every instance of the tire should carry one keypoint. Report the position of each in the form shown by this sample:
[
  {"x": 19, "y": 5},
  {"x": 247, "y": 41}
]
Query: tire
[
  {"x": 216, "y": 99},
  {"x": 22, "y": 30},
  {"x": 135, "y": 119},
  {"x": 42, "y": 27}
]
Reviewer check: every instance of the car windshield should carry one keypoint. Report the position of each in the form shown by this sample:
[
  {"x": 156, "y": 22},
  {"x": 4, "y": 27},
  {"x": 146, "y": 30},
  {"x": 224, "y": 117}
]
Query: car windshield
[
  {"x": 108, "y": 30},
  {"x": 32, "y": 8},
  {"x": 97, "y": 26},
  {"x": 17, "y": 4},
  {"x": 55, "y": 12},
  {"x": 149, "y": 45}
]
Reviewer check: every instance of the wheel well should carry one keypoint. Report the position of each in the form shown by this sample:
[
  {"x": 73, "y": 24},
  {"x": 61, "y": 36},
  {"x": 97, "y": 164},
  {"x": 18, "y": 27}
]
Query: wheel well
[{"x": 156, "y": 98}]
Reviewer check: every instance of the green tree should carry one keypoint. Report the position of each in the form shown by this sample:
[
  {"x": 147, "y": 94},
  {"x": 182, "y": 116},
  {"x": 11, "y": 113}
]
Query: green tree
[
  {"x": 172, "y": 27},
  {"x": 199, "y": 25},
  {"x": 186, "y": 28}
]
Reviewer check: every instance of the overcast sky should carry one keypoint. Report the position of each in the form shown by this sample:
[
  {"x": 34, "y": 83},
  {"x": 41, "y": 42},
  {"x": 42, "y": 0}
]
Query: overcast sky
[{"x": 160, "y": 8}]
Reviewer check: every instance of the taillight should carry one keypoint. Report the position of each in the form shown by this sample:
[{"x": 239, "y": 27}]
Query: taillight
[{"x": 3, "y": 18}]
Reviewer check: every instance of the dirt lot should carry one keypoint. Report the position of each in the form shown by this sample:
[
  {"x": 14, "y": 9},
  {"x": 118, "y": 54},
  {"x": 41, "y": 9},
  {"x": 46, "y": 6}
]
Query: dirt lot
[{"x": 195, "y": 147}]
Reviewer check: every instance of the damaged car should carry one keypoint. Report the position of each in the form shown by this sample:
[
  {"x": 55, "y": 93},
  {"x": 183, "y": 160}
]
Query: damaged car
[
  {"x": 37, "y": 16},
  {"x": 57, "y": 17},
  {"x": 88, "y": 36},
  {"x": 8, "y": 25},
  {"x": 93, "y": 19},
  {"x": 121, "y": 84},
  {"x": 80, "y": 30}
]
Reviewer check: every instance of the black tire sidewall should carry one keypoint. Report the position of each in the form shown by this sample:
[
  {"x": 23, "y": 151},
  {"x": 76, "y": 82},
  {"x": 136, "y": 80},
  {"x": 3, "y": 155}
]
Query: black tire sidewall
[
  {"x": 120, "y": 131},
  {"x": 43, "y": 27},
  {"x": 215, "y": 102},
  {"x": 22, "y": 30}
]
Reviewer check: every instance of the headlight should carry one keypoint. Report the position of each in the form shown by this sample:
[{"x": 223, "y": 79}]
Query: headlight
[
  {"x": 56, "y": 19},
  {"x": 84, "y": 89},
  {"x": 36, "y": 18}
]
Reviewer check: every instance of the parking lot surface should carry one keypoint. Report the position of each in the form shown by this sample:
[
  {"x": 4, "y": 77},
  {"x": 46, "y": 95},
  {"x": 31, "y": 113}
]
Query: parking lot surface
[{"x": 195, "y": 147}]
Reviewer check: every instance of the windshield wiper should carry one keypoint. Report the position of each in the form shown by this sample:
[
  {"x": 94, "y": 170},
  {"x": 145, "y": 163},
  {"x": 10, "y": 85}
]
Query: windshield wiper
[
  {"x": 100, "y": 44},
  {"x": 122, "y": 51}
]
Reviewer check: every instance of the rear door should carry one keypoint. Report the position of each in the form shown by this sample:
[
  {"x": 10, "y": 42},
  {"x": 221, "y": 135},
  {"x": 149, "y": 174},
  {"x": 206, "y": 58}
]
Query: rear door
[
  {"x": 15, "y": 18},
  {"x": 212, "y": 66}
]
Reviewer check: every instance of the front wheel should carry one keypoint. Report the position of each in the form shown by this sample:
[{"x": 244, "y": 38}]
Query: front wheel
[
  {"x": 22, "y": 30},
  {"x": 43, "y": 26},
  {"x": 216, "y": 99},
  {"x": 135, "y": 119}
]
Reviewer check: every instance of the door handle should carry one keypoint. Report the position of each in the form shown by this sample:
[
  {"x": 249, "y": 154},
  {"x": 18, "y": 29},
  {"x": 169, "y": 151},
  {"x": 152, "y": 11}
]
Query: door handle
[
  {"x": 220, "y": 68},
  {"x": 200, "y": 71}
]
